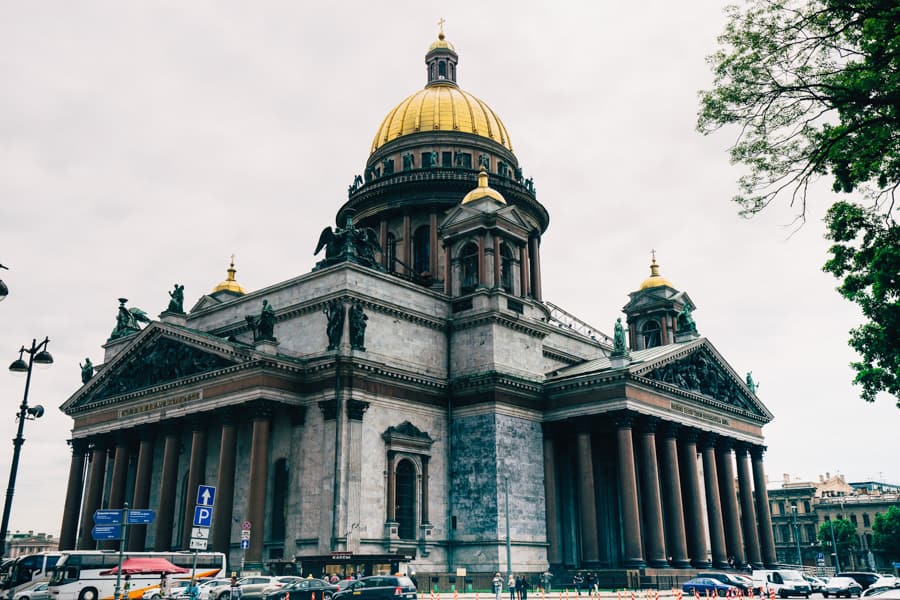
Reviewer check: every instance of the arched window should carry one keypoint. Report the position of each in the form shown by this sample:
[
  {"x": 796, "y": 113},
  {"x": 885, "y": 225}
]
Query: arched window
[
  {"x": 506, "y": 268},
  {"x": 406, "y": 500},
  {"x": 442, "y": 69},
  {"x": 468, "y": 260},
  {"x": 390, "y": 253},
  {"x": 422, "y": 250},
  {"x": 279, "y": 498},
  {"x": 651, "y": 334}
]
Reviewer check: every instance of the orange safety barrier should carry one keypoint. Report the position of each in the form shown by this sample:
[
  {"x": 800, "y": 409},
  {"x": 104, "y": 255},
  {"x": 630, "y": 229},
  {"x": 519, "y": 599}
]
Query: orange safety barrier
[{"x": 771, "y": 594}]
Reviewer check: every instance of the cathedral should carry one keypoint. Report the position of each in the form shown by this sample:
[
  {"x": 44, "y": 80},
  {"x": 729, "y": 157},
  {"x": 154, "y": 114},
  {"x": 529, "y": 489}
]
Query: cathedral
[{"x": 373, "y": 413}]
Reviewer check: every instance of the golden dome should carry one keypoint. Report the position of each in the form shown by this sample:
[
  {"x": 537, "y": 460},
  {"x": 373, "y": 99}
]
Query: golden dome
[
  {"x": 230, "y": 285},
  {"x": 441, "y": 43},
  {"x": 483, "y": 190},
  {"x": 441, "y": 107},
  {"x": 655, "y": 280}
]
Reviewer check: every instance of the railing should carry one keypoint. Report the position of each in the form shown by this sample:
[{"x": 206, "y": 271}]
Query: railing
[{"x": 566, "y": 320}]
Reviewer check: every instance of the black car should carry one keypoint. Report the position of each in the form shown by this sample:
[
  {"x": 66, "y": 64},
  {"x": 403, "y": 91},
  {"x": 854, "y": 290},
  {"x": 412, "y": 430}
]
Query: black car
[
  {"x": 379, "y": 587},
  {"x": 863, "y": 578},
  {"x": 304, "y": 590}
]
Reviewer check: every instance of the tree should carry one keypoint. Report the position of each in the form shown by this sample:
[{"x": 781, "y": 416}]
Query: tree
[
  {"x": 844, "y": 536},
  {"x": 886, "y": 533},
  {"x": 814, "y": 86}
]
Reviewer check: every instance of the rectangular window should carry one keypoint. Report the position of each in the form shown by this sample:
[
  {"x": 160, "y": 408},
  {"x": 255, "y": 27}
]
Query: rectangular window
[
  {"x": 426, "y": 160},
  {"x": 446, "y": 159},
  {"x": 853, "y": 520},
  {"x": 866, "y": 522}
]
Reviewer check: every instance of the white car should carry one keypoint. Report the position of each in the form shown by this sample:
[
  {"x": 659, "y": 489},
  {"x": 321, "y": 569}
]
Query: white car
[
  {"x": 215, "y": 589},
  {"x": 37, "y": 591}
]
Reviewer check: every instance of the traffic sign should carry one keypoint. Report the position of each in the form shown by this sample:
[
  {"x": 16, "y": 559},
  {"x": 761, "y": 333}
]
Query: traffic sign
[
  {"x": 206, "y": 495},
  {"x": 245, "y": 544},
  {"x": 107, "y": 532},
  {"x": 245, "y": 534},
  {"x": 201, "y": 533},
  {"x": 245, "y": 526},
  {"x": 198, "y": 544},
  {"x": 203, "y": 516},
  {"x": 141, "y": 516},
  {"x": 107, "y": 517}
]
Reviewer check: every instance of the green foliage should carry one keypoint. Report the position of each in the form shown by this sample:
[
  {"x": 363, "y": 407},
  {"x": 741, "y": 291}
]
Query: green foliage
[
  {"x": 814, "y": 86},
  {"x": 886, "y": 533},
  {"x": 866, "y": 254},
  {"x": 844, "y": 535}
]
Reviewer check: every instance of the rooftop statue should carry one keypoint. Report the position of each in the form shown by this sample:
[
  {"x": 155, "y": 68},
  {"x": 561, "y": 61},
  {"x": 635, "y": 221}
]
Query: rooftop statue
[
  {"x": 263, "y": 325},
  {"x": 348, "y": 243},
  {"x": 176, "y": 299},
  {"x": 686, "y": 321},
  {"x": 87, "y": 370},
  {"x": 128, "y": 320},
  {"x": 619, "y": 339},
  {"x": 750, "y": 383}
]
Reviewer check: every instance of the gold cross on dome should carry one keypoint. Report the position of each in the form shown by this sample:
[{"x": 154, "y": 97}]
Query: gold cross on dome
[
  {"x": 232, "y": 260},
  {"x": 653, "y": 255},
  {"x": 440, "y": 23}
]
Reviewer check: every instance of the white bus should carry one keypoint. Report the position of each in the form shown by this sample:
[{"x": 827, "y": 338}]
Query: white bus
[
  {"x": 77, "y": 574},
  {"x": 25, "y": 570}
]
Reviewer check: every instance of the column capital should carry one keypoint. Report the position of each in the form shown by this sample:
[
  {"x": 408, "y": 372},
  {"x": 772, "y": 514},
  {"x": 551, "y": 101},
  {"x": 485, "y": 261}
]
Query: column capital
[
  {"x": 708, "y": 440},
  {"x": 725, "y": 444},
  {"x": 261, "y": 410},
  {"x": 742, "y": 448},
  {"x": 624, "y": 420},
  {"x": 757, "y": 452},
  {"x": 668, "y": 429},
  {"x": 78, "y": 445},
  {"x": 356, "y": 409},
  {"x": 689, "y": 434},
  {"x": 329, "y": 409},
  {"x": 648, "y": 424},
  {"x": 298, "y": 415}
]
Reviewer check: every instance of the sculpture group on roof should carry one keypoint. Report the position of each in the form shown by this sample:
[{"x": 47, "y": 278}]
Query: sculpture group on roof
[{"x": 348, "y": 243}]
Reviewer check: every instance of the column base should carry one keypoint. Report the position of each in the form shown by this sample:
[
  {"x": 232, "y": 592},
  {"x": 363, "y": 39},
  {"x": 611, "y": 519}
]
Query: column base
[
  {"x": 701, "y": 564},
  {"x": 683, "y": 564},
  {"x": 635, "y": 563},
  {"x": 756, "y": 565},
  {"x": 721, "y": 564}
]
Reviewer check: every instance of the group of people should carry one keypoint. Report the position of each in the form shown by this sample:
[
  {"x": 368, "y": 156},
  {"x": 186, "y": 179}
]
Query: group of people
[
  {"x": 517, "y": 585},
  {"x": 586, "y": 582}
]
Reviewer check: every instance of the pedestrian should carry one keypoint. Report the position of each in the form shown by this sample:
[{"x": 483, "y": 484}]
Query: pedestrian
[
  {"x": 127, "y": 586},
  {"x": 497, "y": 586},
  {"x": 523, "y": 588},
  {"x": 577, "y": 581},
  {"x": 235, "y": 587},
  {"x": 546, "y": 579},
  {"x": 511, "y": 584}
]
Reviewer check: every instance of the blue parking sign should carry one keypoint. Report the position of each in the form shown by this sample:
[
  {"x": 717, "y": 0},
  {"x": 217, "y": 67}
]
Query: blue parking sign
[{"x": 203, "y": 516}]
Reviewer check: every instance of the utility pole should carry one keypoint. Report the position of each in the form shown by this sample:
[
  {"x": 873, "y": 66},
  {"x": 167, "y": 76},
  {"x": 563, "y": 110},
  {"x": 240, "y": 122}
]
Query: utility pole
[{"x": 797, "y": 535}]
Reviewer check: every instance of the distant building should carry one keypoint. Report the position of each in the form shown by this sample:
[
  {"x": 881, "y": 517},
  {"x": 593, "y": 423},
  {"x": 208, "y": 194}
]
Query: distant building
[
  {"x": 24, "y": 543},
  {"x": 800, "y": 507}
]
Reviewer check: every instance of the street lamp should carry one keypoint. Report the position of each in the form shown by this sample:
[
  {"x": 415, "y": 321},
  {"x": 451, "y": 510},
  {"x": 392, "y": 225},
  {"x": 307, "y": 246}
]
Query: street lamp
[
  {"x": 837, "y": 560},
  {"x": 4, "y": 291},
  {"x": 797, "y": 535},
  {"x": 37, "y": 354}
]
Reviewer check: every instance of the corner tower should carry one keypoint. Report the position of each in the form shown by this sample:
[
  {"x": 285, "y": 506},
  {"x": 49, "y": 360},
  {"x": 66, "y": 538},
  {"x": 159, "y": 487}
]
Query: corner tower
[
  {"x": 655, "y": 312},
  {"x": 425, "y": 157}
]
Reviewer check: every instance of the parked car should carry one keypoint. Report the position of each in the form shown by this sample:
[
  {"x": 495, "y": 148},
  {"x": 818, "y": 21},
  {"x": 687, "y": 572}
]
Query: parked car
[
  {"x": 842, "y": 586},
  {"x": 816, "y": 585},
  {"x": 280, "y": 582},
  {"x": 783, "y": 582},
  {"x": 37, "y": 591},
  {"x": 886, "y": 594},
  {"x": 702, "y": 585},
  {"x": 882, "y": 584},
  {"x": 730, "y": 579},
  {"x": 178, "y": 588},
  {"x": 215, "y": 589},
  {"x": 304, "y": 590},
  {"x": 380, "y": 587},
  {"x": 252, "y": 587},
  {"x": 863, "y": 578}
]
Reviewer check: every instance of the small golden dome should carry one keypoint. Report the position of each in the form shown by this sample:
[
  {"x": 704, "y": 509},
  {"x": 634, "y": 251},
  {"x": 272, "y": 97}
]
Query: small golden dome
[
  {"x": 483, "y": 190},
  {"x": 230, "y": 285},
  {"x": 441, "y": 43},
  {"x": 441, "y": 107},
  {"x": 655, "y": 280}
]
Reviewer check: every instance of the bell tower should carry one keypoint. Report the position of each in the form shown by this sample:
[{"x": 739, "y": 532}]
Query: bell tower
[
  {"x": 441, "y": 60},
  {"x": 657, "y": 313}
]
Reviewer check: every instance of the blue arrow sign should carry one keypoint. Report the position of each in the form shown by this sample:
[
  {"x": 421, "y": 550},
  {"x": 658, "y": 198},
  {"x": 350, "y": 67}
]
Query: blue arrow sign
[
  {"x": 206, "y": 495},
  {"x": 141, "y": 516},
  {"x": 107, "y": 517},
  {"x": 203, "y": 516},
  {"x": 245, "y": 544},
  {"x": 106, "y": 532}
]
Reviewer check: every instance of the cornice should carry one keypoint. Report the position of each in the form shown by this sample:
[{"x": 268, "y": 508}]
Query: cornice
[{"x": 497, "y": 318}]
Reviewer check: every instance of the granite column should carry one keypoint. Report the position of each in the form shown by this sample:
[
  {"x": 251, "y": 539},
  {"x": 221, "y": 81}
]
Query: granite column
[
  {"x": 766, "y": 535},
  {"x": 96, "y": 478},
  {"x": 631, "y": 517},
  {"x": 165, "y": 512},
  {"x": 587, "y": 501},
  {"x": 748, "y": 514},
  {"x": 221, "y": 531},
  {"x": 713, "y": 503},
  {"x": 196, "y": 475},
  {"x": 137, "y": 535},
  {"x": 654, "y": 535},
  {"x": 693, "y": 506},
  {"x": 671, "y": 492},
  {"x": 259, "y": 475},
  {"x": 68, "y": 534}
]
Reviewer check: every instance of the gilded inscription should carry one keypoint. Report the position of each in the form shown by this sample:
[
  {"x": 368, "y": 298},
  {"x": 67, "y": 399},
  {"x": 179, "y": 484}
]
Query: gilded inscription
[
  {"x": 699, "y": 414},
  {"x": 159, "y": 404}
]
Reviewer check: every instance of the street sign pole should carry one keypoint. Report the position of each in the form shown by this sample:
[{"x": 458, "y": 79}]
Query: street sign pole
[{"x": 118, "y": 592}]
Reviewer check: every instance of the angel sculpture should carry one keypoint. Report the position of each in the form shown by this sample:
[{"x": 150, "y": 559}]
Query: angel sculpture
[
  {"x": 127, "y": 320},
  {"x": 348, "y": 243}
]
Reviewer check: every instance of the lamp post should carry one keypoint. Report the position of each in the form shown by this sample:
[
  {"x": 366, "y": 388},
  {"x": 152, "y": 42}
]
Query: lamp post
[
  {"x": 4, "y": 291},
  {"x": 37, "y": 354},
  {"x": 837, "y": 560},
  {"x": 797, "y": 535}
]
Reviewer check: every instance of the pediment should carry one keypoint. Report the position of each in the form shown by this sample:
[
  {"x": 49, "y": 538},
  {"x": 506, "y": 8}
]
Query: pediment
[
  {"x": 703, "y": 372},
  {"x": 156, "y": 357}
]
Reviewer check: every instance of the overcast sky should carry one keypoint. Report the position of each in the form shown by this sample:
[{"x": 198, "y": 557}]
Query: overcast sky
[{"x": 141, "y": 144}]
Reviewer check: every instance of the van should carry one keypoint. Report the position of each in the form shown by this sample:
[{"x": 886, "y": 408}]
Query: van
[{"x": 783, "y": 582}]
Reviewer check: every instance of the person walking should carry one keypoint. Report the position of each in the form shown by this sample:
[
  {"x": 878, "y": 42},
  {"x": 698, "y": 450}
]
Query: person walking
[
  {"x": 497, "y": 586},
  {"x": 577, "y": 581},
  {"x": 511, "y": 584}
]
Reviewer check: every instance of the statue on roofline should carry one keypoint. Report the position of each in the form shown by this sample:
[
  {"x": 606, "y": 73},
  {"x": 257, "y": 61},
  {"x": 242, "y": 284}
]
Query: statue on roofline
[{"x": 348, "y": 243}]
